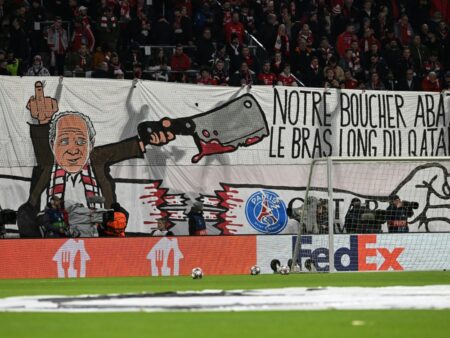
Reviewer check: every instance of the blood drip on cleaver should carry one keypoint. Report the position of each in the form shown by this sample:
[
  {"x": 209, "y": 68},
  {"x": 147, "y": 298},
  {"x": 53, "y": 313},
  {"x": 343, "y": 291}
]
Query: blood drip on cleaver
[
  {"x": 211, "y": 147},
  {"x": 252, "y": 140},
  {"x": 215, "y": 147}
]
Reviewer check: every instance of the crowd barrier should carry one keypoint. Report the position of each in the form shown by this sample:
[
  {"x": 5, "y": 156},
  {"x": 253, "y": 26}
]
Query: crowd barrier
[{"x": 216, "y": 255}]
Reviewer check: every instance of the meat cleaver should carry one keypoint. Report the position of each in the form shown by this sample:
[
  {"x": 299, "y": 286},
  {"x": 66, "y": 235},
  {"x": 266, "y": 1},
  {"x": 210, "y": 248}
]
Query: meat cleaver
[{"x": 239, "y": 122}]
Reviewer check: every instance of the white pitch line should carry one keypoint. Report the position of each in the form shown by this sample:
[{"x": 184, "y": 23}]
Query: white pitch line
[{"x": 340, "y": 298}]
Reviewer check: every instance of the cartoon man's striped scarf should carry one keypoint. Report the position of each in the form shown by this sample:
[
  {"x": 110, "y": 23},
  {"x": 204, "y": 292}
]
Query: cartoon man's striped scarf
[{"x": 58, "y": 183}]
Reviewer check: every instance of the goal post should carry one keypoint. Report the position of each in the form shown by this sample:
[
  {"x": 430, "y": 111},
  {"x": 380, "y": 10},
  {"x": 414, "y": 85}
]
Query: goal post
[{"x": 367, "y": 214}]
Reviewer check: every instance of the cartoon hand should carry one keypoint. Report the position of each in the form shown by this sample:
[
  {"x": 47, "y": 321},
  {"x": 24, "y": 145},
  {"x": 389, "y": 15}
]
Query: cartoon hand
[
  {"x": 155, "y": 133},
  {"x": 429, "y": 185},
  {"x": 41, "y": 107},
  {"x": 163, "y": 136}
]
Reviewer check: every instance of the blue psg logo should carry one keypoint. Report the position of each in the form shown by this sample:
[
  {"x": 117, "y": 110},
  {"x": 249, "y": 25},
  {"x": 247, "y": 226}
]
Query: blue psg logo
[{"x": 265, "y": 212}]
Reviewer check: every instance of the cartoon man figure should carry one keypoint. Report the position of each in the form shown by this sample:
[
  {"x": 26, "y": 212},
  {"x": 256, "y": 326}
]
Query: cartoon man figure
[{"x": 68, "y": 163}]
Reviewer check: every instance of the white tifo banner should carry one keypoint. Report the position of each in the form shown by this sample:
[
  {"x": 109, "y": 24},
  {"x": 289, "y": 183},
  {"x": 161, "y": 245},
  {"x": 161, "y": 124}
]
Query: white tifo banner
[{"x": 244, "y": 152}]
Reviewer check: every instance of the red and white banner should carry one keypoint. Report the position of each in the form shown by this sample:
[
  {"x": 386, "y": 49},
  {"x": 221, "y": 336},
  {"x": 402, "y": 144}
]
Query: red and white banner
[
  {"x": 217, "y": 255},
  {"x": 112, "y": 257},
  {"x": 156, "y": 148}
]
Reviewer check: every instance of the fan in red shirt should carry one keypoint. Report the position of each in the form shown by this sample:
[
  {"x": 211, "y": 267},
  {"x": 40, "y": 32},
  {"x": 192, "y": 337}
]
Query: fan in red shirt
[
  {"x": 403, "y": 30},
  {"x": 431, "y": 83},
  {"x": 368, "y": 40},
  {"x": 433, "y": 64},
  {"x": 345, "y": 39},
  {"x": 442, "y": 6},
  {"x": 286, "y": 78},
  {"x": 82, "y": 34},
  {"x": 82, "y": 14},
  {"x": 266, "y": 77},
  {"x": 180, "y": 62},
  {"x": 205, "y": 78},
  {"x": 235, "y": 27},
  {"x": 350, "y": 82},
  {"x": 220, "y": 74}
]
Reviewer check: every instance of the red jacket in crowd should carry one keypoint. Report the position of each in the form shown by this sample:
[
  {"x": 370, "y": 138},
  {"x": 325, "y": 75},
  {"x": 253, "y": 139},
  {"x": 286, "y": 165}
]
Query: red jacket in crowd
[
  {"x": 430, "y": 66},
  {"x": 267, "y": 78},
  {"x": 442, "y": 6},
  {"x": 286, "y": 80},
  {"x": 207, "y": 81},
  {"x": 235, "y": 28},
  {"x": 180, "y": 62},
  {"x": 430, "y": 86},
  {"x": 351, "y": 84},
  {"x": 83, "y": 35},
  {"x": 344, "y": 41}
]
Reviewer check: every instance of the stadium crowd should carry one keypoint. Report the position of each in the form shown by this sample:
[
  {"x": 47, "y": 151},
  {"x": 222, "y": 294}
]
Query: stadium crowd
[{"x": 355, "y": 44}]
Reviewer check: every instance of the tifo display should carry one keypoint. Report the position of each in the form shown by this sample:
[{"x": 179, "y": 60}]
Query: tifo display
[{"x": 218, "y": 161}]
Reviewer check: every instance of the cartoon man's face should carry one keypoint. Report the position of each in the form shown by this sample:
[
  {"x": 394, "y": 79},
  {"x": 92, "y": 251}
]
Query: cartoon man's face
[{"x": 72, "y": 146}]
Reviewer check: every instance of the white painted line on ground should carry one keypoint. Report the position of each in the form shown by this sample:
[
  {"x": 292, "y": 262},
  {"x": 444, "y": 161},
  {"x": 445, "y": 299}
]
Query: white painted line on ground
[{"x": 341, "y": 298}]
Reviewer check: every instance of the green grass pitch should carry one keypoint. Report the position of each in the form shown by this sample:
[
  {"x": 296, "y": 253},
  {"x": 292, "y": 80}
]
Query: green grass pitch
[{"x": 314, "y": 324}]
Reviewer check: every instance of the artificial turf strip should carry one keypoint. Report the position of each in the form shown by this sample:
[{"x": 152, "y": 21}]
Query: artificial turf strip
[
  {"x": 22, "y": 287},
  {"x": 304, "y": 324}
]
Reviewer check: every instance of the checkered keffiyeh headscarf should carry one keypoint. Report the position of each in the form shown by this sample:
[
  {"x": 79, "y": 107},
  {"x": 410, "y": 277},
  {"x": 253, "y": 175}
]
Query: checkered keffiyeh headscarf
[{"x": 58, "y": 183}]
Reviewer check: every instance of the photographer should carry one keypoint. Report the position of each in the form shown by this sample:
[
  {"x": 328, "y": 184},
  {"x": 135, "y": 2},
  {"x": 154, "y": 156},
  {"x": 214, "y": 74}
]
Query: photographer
[
  {"x": 116, "y": 226},
  {"x": 196, "y": 220},
  {"x": 353, "y": 217},
  {"x": 397, "y": 214},
  {"x": 55, "y": 221},
  {"x": 361, "y": 220},
  {"x": 313, "y": 216},
  {"x": 322, "y": 216}
]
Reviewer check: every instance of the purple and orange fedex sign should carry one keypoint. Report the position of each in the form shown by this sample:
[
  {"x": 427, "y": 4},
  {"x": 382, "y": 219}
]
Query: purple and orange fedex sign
[{"x": 362, "y": 254}]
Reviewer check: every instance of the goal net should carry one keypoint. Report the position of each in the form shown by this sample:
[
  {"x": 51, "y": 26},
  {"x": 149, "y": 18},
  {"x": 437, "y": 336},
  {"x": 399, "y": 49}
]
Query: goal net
[{"x": 386, "y": 214}]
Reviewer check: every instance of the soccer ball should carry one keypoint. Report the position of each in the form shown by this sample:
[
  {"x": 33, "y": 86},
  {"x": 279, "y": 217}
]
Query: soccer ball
[
  {"x": 284, "y": 270},
  {"x": 197, "y": 273},
  {"x": 255, "y": 270}
]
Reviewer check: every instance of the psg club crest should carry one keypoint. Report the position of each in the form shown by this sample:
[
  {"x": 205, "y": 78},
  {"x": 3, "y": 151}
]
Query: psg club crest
[{"x": 265, "y": 212}]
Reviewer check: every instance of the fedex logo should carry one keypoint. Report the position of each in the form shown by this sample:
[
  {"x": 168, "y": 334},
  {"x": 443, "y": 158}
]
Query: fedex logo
[{"x": 360, "y": 256}]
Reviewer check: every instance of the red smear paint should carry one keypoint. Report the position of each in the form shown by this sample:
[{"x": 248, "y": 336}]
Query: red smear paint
[
  {"x": 159, "y": 194},
  {"x": 156, "y": 198},
  {"x": 215, "y": 147},
  {"x": 211, "y": 147},
  {"x": 252, "y": 140},
  {"x": 211, "y": 201},
  {"x": 226, "y": 218}
]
